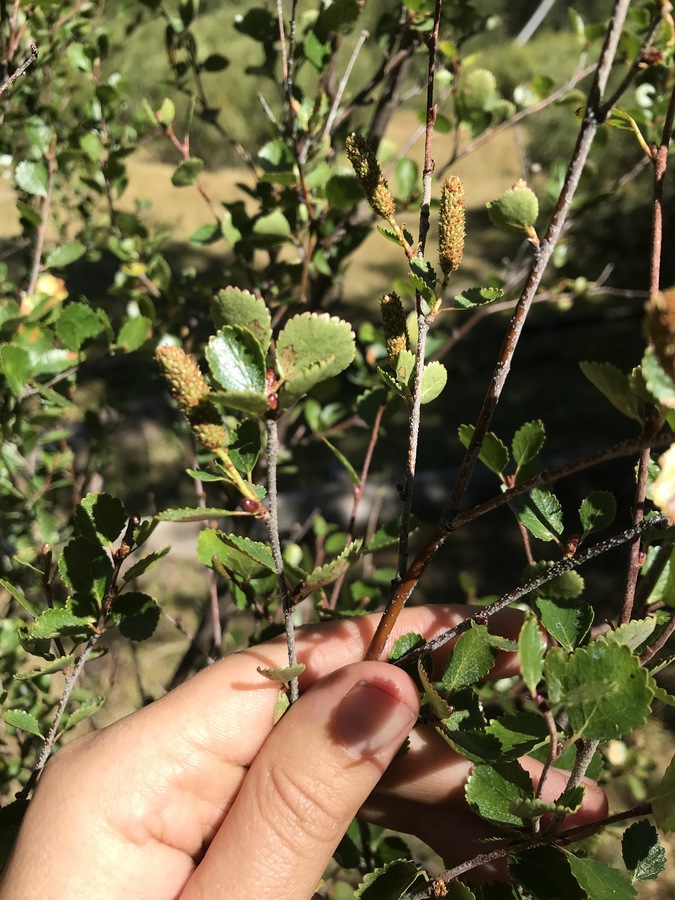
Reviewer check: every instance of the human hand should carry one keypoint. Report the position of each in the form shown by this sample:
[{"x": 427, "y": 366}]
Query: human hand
[{"x": 197, "y": 795}]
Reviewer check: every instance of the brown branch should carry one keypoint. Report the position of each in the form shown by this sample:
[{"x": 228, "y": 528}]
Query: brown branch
[{"x": 22, "y": 68}]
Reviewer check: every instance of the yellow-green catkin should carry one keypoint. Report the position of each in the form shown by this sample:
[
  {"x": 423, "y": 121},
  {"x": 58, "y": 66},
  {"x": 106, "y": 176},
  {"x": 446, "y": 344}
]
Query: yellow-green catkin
[
  {"x": 191, "y": 392},
  {"x": 394, "y": 326},
  {"x": 369, "y": 174},
  {"x": 451, "y": 225}
]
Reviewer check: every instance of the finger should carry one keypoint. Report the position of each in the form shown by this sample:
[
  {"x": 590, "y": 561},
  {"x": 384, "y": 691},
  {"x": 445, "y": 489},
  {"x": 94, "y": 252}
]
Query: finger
[{"x": 306, "y": 784}]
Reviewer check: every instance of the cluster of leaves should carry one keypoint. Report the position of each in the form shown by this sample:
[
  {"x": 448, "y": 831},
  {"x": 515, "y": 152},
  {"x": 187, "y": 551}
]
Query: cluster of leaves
[{"x": 267, "y": 352}]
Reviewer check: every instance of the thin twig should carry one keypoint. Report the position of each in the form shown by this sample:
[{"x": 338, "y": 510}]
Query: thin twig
[
  {"x": 482, "y": 614},
  {"x": 22, "y": 68},
  {"x": 272, "y": 522},
  {"x": 330, "y": 121},
  {"x": 660, "y": 642}
]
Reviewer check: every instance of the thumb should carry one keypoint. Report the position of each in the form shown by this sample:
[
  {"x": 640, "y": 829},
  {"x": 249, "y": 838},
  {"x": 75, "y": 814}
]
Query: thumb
[{"x": 306, "y": 784}]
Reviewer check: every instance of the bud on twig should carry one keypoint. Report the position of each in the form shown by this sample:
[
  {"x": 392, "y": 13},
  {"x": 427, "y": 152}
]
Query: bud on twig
[
  {"x": 451, "y": 225},
  {"x": 394, "y": 325},
  {"x": 369, "y": 174}
]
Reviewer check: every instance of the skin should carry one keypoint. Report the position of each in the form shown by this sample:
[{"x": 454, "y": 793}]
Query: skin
[{"x": 198, "y": 795}]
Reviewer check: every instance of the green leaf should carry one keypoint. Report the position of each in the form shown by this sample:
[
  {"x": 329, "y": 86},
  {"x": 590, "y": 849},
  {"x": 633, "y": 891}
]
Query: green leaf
[
  {"x": 633, "y": 633},
  {"x": 59, "y": 622},
  {"x": 568, "y": 621},
  {"x": 284, "y": 674},
  {"x": 599, "y": 880},
  {"x": 603, "y": 687},
  {"x": 540, "y": 512},
  {"x": 203, "y": 475},
  {"x": 405, "y": 644},
  {"x": 253, "y": 403},
  {"x": 388, "y": 535},
  {"x": 518, "y": 733},
  {"x": 16, "y": 365},
  {"x": 643, "y": 855},
  {"x": 472, "y": 658},
  {"x": 77, "y": 324},
  {"x": 615, "y": 386},
  {"x": 311, "y": 348},
  {"x": 206, "y": 235},
  {"x": 474, "y": 297},
  {"x": 354, "y": 476},
  {"x": 244, "y": 447},
  {"x": 65, "y": 255},
  {"x": 19, "y": 718},
  {"x": 144, "y": 565},
  {"x": 331, "y": 571},
  {"x": 406, "y": 177},
  {"x": 491, "y": 791},
  {"x": 236, "y": 360},
  {"x": 215, "y": 62},
  {"x": 85, "y": 709},
  {"x": 566, "y": 804},
  {"x": 100, "y": 518},
  {"x": 516, "y": 210},
  {"x": 187, "y": 172},
  {"x": 134, "y": 333},
  {"x": 659, "y": 382},
  {"x": 86, "y": 567},
  {"x": 233, "y": 306},
  {"x": 187, "y": 514},
  {"x": 531, "y": 646},
  {"x": 32, "y": 177},
  {"x": 566, "y": 586},
  {"x": 391, "y": 882},
  {"x": 663, "y": 800},
  {"x": 20, "y": 597},
  {"x": 527, "y": 442},
  {"x": 136, "y": 615},
  {"x": 434, "y": 378},
  {"x": 167, "y": 112},
  {"x": 493, "y": 452},
  {"x": 57, "y": 666},
  {"x": 339, "y": 17},
  {"x": 239, "y": 556},
  {"x": 597, "y": 511},
  {"x": 545, "y": 873},
  {"x": 274, "y": 225}
]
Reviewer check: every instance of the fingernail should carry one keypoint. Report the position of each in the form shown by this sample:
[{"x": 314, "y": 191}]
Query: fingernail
[{"x": 370, "y": 719}]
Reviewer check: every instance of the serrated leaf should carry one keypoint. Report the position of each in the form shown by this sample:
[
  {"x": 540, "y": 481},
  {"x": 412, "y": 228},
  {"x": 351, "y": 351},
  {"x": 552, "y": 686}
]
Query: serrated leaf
[
  {"x": 100, "y": 518},
  {"x": 528, "y": 441},
  {"x": 474, "y": 297},
  {"x": 540, "y": 512},
  {"x": 439, "y": 707},
  {"x": 614, "y": 385},
  {"x": 233, "y": 306},
  {"x": 328, "y": 573},
  {"x": 65, "y": 255},
  {"x": 473, "y": 743},
  {"x": 472, "y": 658},
  {"x": 17, "y": 367},
  {"x": 568, "y": 621},
  {"x": 20, "y": 597},
  {"x": 434, "y": 378},
  {"x": 405, "y": 644},
  {"x": 236, "y": 360},
  {"x": 603, "y": 688},
  {"x": 144, "y": 565},
  {"x": 19, "y": 718},
  {"x": 57, "y": 666},
  {"x": 493, "y": 452},
  {"x": 633, "y": 633},
  {"x": 77, "y": 324},
  {"x": 566, "y": 586},
  {"x": 388, "y": 535},
  {"x": 545, "y": 874},
  {"x": 187, "y": 514},
  {"x": 86, "y": 708},
  {"x": 86, "y": 567},
  {"x": 244, "y": 447},
  {"x": 391, "y": 882},
  {"x": 32, "y": 177},
  {"x": 58, "y": 622},
  {"x": 518, "y": 733},
  {"x": 283, "y": 703},
  {"x": 531, "y": 647},
  {"x": 389, "y": 233},
  {"x": 600, "y": 881},
  {"x": 135, "y": 614},
  {"x": 492, "y": 790},
  {"x": 203, "y": 475},
  {"x": 516, "y": 210},
  {"x": 134, "y": 333},
  {"x": 311, "y": 348},
  {"x": 643, "y": 855},
  {"x": 283, "y": 674},
  {"x": 187, "y": 172},
  {"x": 253, "y": 403},
  {"x": 597, "y": 511},
  {"x": 240, "y": 556},
  {"x": 662, "y": 798},
  {"x": 565, "y": 805},
  {"x": 658, "y": 381}
]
